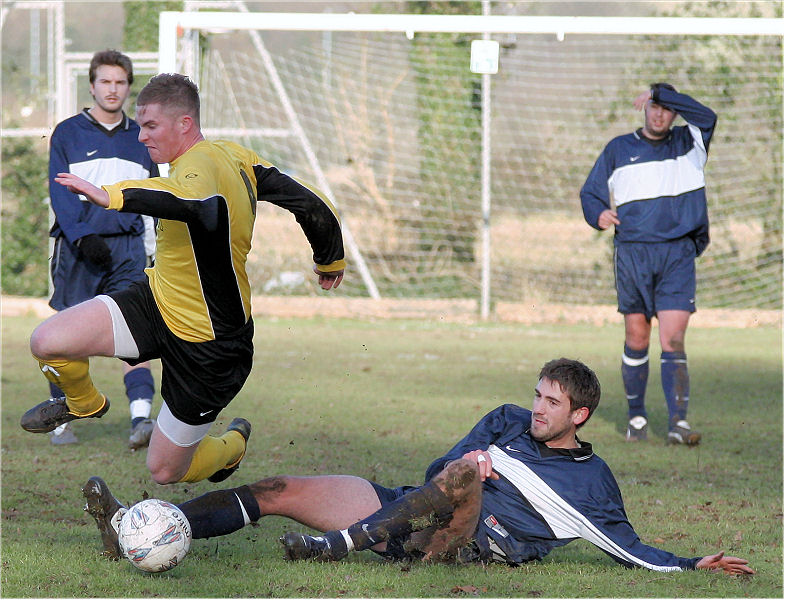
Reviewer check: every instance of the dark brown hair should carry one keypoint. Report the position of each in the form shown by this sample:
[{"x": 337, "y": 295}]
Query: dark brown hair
[
  {"x": 113, "y": 58},
  {"x": 576, "y": 380}
]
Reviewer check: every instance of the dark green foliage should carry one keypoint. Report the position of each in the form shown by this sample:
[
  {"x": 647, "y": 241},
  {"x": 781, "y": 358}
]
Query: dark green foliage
[
  {"x": 25, "y": 220},
  {"x": 451, "y": 158},
  {"x": 140, "y": 33}
]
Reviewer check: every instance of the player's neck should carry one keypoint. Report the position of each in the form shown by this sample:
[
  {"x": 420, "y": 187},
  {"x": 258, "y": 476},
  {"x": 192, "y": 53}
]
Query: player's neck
[
  {"x": 105, "y": 117},
  {"x": 189, "y": 143},
  {"x": 566, "y": 444},
  {"x": 654, "y": 136}
]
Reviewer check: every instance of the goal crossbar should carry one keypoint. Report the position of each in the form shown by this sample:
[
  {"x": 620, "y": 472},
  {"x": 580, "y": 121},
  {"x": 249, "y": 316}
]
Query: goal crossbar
[{"x": 409, "y": 24}]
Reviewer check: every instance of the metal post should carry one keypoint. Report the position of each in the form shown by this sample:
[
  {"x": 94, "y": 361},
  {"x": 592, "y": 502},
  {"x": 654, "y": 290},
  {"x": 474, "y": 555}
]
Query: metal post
[
  {"x": 485, "y": 293},
  {"x": 35, "y": 51}
]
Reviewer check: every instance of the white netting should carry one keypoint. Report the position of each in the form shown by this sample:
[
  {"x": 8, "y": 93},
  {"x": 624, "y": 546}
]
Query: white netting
[{"x": 395, "y": 125}]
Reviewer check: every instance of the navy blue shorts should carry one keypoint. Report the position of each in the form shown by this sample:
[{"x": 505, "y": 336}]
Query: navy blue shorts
[
  {"x": 651, "y": 277},
  {"x": 198, "y": 379},
  {"x": 387, "y": 495},
  {"x": 75, "y": 279}
]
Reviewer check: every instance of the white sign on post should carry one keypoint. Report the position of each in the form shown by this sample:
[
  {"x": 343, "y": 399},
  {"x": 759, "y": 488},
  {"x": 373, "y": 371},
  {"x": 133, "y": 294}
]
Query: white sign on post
[{"x": 485, "y": 57}]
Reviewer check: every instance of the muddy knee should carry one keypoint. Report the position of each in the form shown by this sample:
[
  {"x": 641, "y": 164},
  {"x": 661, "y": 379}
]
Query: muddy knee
[{"x": 459, "y": 480}]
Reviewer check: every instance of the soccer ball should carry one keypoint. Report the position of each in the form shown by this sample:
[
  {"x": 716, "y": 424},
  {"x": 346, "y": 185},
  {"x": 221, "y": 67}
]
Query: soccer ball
[{"x": 154, "y": 535}]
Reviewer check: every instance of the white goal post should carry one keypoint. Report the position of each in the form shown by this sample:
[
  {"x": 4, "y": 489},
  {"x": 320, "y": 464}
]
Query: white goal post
[{"x": 173, "y": 25}]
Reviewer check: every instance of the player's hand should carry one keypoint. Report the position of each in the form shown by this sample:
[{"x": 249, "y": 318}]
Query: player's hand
[
  {"x": 607, "y": 218},
  {"x": 94, "y": 249},
  {"x": 77, "y": 185},
  {"x": 729, "y": 564},
  {"x": 329, "y": 280},
  {"x": 640, "y": 102},
  {"x": 484, "y": 463}
]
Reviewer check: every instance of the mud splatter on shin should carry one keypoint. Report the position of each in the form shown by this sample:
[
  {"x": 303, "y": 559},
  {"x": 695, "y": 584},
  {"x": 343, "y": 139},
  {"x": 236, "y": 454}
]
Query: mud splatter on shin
[{"x": 675, "y": 384}]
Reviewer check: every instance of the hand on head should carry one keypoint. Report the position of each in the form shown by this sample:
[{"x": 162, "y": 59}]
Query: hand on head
[{"x": 640, "y": 101}]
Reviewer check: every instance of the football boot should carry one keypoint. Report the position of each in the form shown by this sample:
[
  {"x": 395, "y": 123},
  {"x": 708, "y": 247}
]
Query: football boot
[
  {"x": 637, "y": 429},
  {"x": 681, "y": 433},
  {"x": 299, "y": 546},
  {"x": 63, "y": 435},
  {"x": 140, "y": 434},
  {"x": 46, "y": 416},
  {"x": 107, "y": 512}
]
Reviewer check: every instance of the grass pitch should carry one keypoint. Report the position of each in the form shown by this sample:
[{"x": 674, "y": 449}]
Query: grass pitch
[{"x": 381, "y": 399}]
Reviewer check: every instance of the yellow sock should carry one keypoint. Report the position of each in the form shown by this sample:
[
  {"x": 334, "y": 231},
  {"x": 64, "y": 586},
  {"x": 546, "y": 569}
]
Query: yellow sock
[
  {"x": 214, "y": 454},
  {"x": 73, "y": 377}
]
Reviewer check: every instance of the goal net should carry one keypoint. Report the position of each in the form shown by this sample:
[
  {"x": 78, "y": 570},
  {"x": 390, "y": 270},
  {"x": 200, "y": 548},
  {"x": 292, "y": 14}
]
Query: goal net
[{"x": 390, "y": 123}]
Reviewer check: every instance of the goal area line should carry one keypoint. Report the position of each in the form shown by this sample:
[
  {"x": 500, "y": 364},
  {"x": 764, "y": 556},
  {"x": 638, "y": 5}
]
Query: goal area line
[{"x": 443, "y": 311}]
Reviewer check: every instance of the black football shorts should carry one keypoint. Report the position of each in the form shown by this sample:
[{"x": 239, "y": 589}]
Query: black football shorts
[{"x": 198, "y": 379}]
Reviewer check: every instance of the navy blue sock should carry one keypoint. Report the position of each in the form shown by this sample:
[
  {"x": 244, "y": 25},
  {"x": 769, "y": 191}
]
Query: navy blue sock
[
  {"x": 635, "y": 375},
  {"x": 139, "y": 385},
  {"x": 221, "y": 512},
  {"x": 675, "y": 384},
  {"x": 55, "y": 391},
  {"x": 425, "y": 506}
]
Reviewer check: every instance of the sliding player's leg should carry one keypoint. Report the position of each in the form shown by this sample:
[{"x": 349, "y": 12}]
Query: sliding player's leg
[
  {"x": 444, "y": 510},
  {"x": 320, "y": 502}
]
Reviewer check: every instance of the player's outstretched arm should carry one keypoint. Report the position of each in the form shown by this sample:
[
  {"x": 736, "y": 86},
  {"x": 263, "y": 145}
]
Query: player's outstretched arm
[
  {"x": 77, "y": 185},
  {"x": 729, "y": 564}
]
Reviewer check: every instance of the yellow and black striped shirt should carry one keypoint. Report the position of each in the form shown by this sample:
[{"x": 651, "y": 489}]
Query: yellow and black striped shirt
[{"x": 206, "y": 209}]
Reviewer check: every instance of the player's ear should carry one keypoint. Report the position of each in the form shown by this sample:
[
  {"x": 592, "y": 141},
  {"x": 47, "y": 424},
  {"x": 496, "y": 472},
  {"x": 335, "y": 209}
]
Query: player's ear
[
  {"x": 580, "y": 415},
  {"x": 186, "y": 123}
]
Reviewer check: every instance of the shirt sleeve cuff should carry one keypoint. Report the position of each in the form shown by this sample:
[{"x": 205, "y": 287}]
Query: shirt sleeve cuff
[
  {"x": 115, "y": 196},
  {"x": 338, "y": 265}
]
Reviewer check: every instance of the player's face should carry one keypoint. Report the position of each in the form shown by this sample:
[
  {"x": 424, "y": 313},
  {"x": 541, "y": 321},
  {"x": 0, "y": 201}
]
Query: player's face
[
  {"x": 553, "y": 421},
  {"x": 110, "y": 89},
  {"x": 160, "y": 132},
  {"x": 658, "y": 121}
]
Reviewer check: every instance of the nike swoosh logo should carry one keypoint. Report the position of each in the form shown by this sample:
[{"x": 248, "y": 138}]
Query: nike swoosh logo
[
  {"x": 207, "y": 412},
  {"x": 368, "y": 533},
  {"x": 511, "y": 449},
  {"x": 91, "y": 153},
  {"x": 634, "y": 158}
]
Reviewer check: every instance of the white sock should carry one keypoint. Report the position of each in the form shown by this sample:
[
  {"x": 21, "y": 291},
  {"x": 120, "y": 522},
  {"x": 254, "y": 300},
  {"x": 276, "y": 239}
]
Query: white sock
[{"x": 141, "y": 407}]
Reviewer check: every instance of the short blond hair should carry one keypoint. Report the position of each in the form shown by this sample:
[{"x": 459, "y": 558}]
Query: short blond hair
[{"x": 173, "y": 92}]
